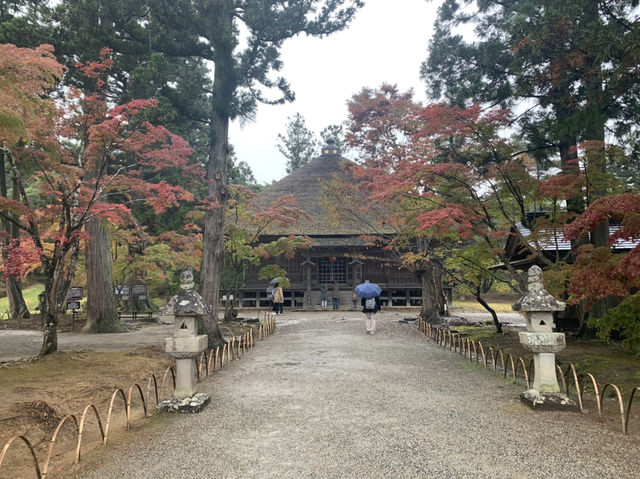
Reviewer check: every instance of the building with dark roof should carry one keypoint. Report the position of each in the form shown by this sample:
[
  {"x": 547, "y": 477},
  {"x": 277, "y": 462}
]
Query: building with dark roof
[
  {"x": 339, "y": 254},
  {"x": 523, "y": 247}
]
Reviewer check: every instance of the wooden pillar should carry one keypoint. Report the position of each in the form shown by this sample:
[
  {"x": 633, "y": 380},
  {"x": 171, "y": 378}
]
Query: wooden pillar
[
  {"x": 356, "y": 271},
  {"x": 308, "y": 265}
]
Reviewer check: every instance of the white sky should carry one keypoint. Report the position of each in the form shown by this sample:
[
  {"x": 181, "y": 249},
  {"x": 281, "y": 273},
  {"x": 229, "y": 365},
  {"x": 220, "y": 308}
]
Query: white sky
[{"x": 386, "y": 42}]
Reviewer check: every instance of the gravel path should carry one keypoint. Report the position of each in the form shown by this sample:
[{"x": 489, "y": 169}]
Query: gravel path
[
  {"x": 18, "y": 343},
  {"x": 321, "y": 399}
]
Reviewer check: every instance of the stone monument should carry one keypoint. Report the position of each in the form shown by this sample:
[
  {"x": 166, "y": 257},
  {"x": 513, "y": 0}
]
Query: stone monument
[
  {"x": 537, "y": 306},
  {"x": 185, "y": 346}
]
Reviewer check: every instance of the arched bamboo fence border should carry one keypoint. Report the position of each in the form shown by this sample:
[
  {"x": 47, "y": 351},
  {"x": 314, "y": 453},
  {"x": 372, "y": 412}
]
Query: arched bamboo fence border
[
  {"x": 468, "y": 349},
  {"x": 36, "y": 465},
  {"x": 238, "y": 346}
]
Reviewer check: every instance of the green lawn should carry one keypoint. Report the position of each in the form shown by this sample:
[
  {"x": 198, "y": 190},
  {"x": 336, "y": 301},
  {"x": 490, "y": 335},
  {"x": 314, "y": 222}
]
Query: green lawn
[
  {"x": 30, "y": 296},
  {"x": 475, "y": 307}
]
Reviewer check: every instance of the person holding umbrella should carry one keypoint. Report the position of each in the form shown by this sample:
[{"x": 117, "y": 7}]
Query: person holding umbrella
[
  {"x": 278, "y": 299},
  {"x": 370, "y": 294}
]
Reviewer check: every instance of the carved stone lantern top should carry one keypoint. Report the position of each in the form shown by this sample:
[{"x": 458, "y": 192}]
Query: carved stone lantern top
[
  {"x": 186, "y": 279},
  {"x": 536, "y": 297},
  {"x": 188, "y": 301}
]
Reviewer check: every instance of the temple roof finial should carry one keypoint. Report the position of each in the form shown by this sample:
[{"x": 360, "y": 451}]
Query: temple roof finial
[{"x": 330, "y": 149}]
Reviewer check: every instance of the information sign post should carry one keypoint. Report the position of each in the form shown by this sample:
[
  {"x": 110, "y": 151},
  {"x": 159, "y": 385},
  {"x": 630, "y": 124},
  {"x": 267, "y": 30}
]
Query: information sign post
[{"x": 73, "y": 303}]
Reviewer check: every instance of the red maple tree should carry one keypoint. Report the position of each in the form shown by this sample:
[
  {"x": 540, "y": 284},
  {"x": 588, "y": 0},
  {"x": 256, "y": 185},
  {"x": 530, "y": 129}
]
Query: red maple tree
[
  {"x": 603, "y": 271},
  {"x": 452, "y": 185},
  {"x": 75, "y": 159}
]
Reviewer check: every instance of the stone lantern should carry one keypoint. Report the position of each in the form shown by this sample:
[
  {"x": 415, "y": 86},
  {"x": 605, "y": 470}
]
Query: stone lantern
[
  {"x": 185, "y": 346},
  {"x": 537, "y": 306}
]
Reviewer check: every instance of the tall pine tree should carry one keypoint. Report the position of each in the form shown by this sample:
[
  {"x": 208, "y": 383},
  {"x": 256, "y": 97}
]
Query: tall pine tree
[{"x": 298, "y": 144}]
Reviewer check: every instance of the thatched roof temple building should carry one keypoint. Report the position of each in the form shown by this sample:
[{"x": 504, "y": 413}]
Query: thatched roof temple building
[{"x": 339, "y": 254}]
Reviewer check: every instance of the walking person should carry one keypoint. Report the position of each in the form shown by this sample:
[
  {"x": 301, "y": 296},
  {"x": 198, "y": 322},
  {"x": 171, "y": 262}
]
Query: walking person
[
  {"x": 324, "y": 295},
  {"x": 370, "y": 294},
  {"x": 336, "y": 295},
  {"x": 278, "y": 299},
  {"x": 370, "y": 306}
]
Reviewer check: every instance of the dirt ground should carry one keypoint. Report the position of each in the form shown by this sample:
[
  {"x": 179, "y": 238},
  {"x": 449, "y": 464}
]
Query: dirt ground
[
  {"x": 35, "y": 394},
  {"x": 608, "y": 363}
]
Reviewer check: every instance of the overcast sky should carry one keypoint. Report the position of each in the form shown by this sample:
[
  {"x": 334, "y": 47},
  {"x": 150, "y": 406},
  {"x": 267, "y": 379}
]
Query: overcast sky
[{"x": 386, "y": 42}]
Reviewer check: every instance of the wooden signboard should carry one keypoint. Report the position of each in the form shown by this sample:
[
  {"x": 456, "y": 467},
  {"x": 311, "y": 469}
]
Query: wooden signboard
[
  {"x": 75, "y": 294},
  {"x": 73, "y": 305}
]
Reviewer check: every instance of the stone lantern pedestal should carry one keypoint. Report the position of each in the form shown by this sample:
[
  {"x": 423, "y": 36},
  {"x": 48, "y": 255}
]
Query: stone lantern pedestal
[
  {"x": 537, "y": 306},
  {"x": 185, "y": 346}
]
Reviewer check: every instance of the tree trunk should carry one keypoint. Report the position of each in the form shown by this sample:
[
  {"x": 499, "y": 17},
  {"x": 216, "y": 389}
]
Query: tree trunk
[
  {"x": 596, "y": 164},
  {"x": 50, "y": 312},
  {"x": 429, "y": 309},
  {"x": 17, "y": 306},
  {"x": 50, "y": 339},
  {"x": 232, "y": 306},
  {"x": 102, "y": 314},
  {"x": 440, "y": 298},
  {"x": 60, "y": 270},
  {"x": 567, "y": 143},
  {"x": 486, "y": 306},
  {"x": 221, "y": 98},
  {"x": 213, "y": 246}
]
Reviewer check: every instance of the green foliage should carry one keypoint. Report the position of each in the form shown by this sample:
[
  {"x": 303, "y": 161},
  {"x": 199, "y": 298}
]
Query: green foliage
[
  {"x": 246, "y": 222},
  {"x": 337, "y": 134},
  {"x": 551, "y": 56},
  {"x": 155, "y": 261},
  {"x": 478, "y": 332},
  {"x": 271, "y": 271},
  {"x": 468, "y": 268},
  {"x": 20, "y": 22},
  {"x": 240, "y": 173},
  {"x": 622, "y": 321},
  {"x": 557, "y": 277},
  {"x": 298, "y": 144}
]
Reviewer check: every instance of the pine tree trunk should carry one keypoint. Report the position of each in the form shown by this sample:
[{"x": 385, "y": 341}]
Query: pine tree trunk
[
  {"x": 567, "y": 143},
  {"x": 222, "y": 96},
  {"x": 596, "y": 163},
  {"x": 102, "y": 314},
  {"x": 213, "y": 246}
]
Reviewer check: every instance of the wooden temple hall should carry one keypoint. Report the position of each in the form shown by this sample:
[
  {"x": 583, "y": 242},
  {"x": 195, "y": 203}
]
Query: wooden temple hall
[{"x": 338, "y": 255}]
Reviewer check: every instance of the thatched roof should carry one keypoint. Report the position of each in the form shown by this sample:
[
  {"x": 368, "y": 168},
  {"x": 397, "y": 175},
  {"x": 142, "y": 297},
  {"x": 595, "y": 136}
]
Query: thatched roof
[{"x": 306, "y": 184}]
